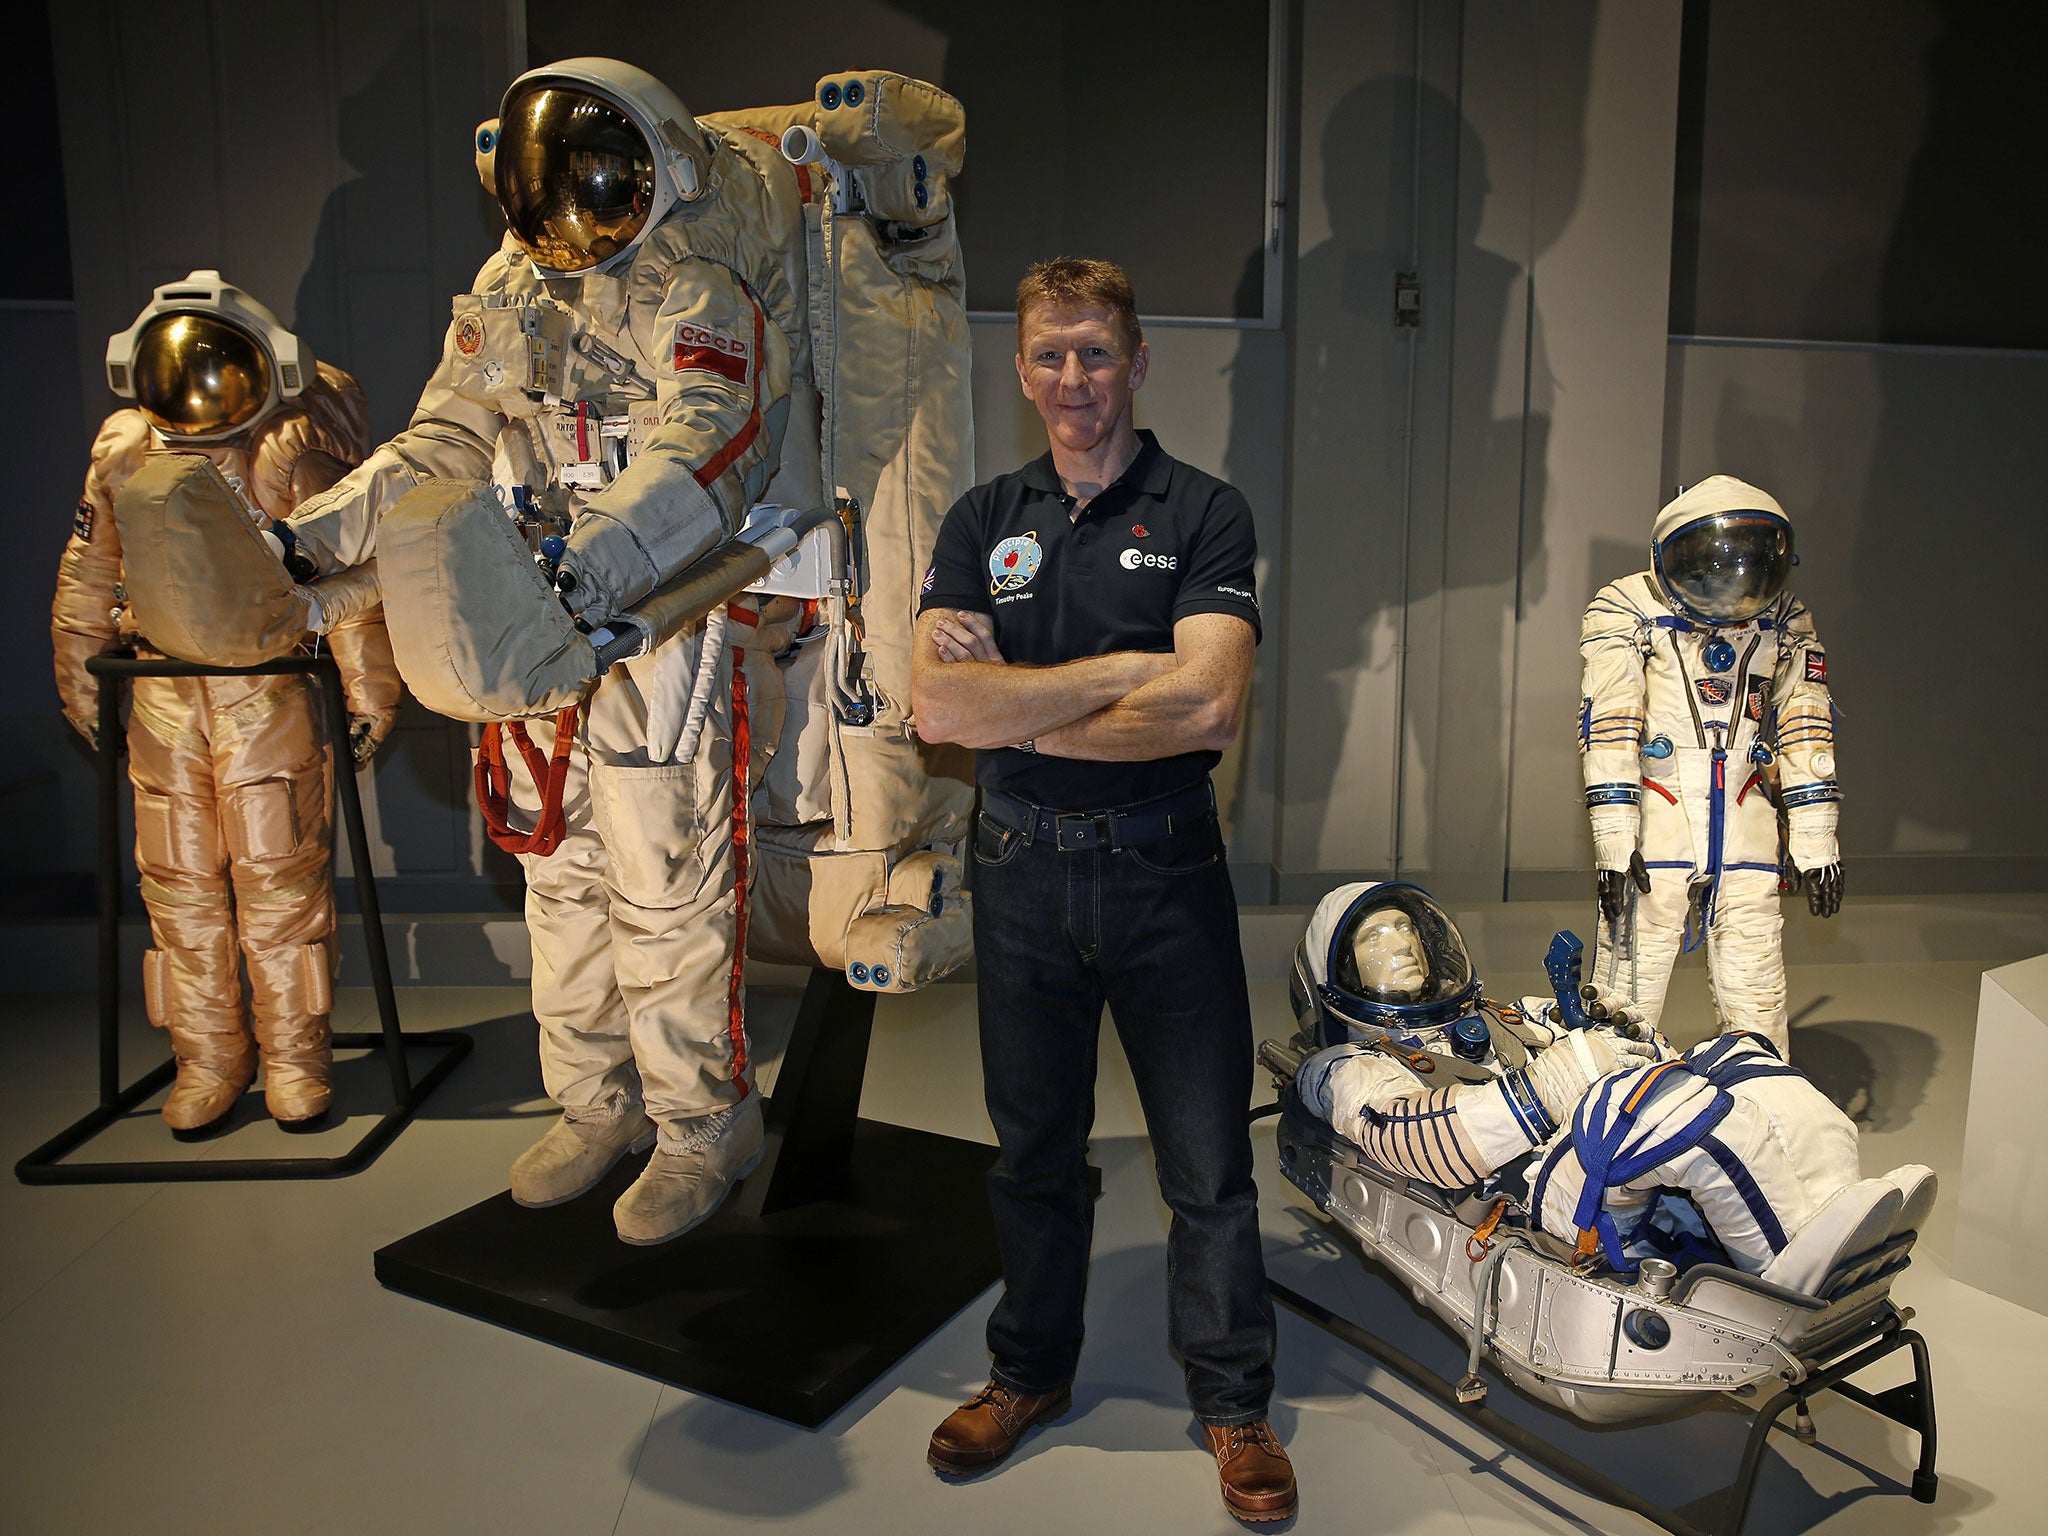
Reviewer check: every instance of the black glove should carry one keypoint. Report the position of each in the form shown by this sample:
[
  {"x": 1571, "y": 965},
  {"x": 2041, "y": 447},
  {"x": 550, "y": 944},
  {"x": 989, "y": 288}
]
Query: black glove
[
  {"x": 1824, "y": 890},
  {"x": 1613, "y": 892}
]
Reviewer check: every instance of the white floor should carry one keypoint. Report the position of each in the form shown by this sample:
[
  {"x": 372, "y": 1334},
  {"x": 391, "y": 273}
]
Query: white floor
[{"x": 217, "y": 1358}]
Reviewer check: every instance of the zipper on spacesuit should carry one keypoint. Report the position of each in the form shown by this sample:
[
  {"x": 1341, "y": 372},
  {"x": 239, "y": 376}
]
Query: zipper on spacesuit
[{"x": 1700, "y": 905}]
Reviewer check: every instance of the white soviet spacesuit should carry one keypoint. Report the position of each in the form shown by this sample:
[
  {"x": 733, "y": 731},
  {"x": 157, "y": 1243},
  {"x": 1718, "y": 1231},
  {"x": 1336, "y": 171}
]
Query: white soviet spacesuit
[
  {"x": 232, "y": 775},
  {"x": 1705, "y": 709},
  {"x": 1720, "y": 1155},
  {"x": 626, "y": 368}
]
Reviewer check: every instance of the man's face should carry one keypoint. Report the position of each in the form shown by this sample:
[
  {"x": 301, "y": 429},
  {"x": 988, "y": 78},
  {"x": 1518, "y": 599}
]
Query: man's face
[{"x": 1076, "y": 368}]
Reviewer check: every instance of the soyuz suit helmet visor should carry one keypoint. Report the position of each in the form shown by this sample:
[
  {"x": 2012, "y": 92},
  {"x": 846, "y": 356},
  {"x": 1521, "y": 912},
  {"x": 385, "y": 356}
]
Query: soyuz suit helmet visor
[
  {"x": 199, "y": 376},
  {"x": 1382, "y": 959},
  {"x": 575, "y": 175},
  {"x": 1728, "y": 567}
]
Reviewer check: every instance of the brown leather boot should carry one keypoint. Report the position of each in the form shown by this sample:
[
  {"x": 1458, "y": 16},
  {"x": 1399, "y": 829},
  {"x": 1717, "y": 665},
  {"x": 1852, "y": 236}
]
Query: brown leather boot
[
  {"x": 1257, "y": 1477},
  {"x": 986, "y": 1428}
]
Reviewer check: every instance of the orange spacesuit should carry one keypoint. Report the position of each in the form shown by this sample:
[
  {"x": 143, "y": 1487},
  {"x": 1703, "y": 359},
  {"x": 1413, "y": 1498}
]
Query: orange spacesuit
[{"x": 232, "y": 775}]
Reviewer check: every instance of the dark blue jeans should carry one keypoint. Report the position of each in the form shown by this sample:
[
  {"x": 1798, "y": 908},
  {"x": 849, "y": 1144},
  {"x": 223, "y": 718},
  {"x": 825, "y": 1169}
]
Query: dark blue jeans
[{"x": 1152, "y": 931}]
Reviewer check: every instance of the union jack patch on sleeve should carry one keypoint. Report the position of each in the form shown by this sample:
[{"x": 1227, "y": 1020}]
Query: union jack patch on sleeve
[
  {"x": 931, "y": 577},
  {"x": 1816, "y": 667}
]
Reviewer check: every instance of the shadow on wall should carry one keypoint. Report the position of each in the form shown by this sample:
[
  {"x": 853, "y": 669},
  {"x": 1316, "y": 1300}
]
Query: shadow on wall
[
  {"x": 394, "y": 241},
  {"x": 1377, "y": 541}
]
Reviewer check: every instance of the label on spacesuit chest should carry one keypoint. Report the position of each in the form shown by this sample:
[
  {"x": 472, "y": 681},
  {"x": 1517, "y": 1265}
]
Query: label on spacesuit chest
[
  {"x": 701, "y": 350},
  {"x": 1714, "y": 690}
]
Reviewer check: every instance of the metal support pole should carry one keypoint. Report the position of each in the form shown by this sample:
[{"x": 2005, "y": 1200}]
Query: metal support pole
[{"x": 108, "y": 763}]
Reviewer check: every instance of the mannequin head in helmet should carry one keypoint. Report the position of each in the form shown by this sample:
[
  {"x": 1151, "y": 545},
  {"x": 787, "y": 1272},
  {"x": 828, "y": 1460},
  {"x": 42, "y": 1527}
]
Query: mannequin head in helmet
[
  {"x": 1381, "y": 958},
  {"x": 1393, "y": 965},
  {"x": 1722, "y": 551},
  {"x": 585, "y": 157}
]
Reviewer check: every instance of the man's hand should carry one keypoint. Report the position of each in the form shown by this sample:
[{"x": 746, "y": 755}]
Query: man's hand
[
  {"x": 964, "y": 636},
  {"x": 962, "y": 690},
  {"x": 1613, "y": 886},
  {"x": 1191, "y": 703}
]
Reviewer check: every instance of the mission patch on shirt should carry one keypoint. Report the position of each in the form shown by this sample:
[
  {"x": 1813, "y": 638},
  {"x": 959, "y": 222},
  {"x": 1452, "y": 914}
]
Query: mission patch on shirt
[{"x": 1163, "y": 542}]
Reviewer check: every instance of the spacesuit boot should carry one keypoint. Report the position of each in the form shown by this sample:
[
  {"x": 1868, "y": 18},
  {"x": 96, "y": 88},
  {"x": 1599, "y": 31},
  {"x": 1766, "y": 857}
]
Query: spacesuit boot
[
  {"x": 577, "y": 1151},
  {"x": 292, "y": 1002},
  {"x": 694, "y": 1167},
  {"x": 209, "y": 1038}
]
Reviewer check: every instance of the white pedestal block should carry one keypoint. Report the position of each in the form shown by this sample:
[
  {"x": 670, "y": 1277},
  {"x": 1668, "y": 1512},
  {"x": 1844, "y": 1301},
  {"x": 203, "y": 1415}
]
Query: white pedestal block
[{"x": 2002, "y": 1216}]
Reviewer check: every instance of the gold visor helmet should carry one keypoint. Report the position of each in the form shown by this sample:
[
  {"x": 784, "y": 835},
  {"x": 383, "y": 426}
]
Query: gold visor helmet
[
  {"x": 575, "y": 176},
  {"x": 204, "y": 361},
  {"x": 585, "y": 157},
  {"x": 199, "y": 376}
]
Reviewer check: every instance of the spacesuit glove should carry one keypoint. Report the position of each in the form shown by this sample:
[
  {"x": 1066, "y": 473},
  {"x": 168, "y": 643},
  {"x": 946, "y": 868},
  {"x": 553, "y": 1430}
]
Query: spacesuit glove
[
  {"x": 1613, "y": 886},
  {"x": 1560, "y": 1074},
  {"x": 1824, "y": 890},
  {"x": 366, "y": 734}
]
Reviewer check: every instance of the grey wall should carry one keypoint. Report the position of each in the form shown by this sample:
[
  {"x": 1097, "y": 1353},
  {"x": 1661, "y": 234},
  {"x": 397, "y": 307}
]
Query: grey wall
[{"x": 1435, "y": 505}]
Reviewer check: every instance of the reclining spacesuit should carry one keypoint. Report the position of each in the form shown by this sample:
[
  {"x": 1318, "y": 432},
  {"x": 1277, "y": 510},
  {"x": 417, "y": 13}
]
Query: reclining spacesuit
[
  {"x": 1706, "y": 711},
  {"x": 1720, "y": 1155},
  {"x": 231, "y": 774},
  {"x": 1587, "y": 1150},
  {"x": 559, "y": 527}
]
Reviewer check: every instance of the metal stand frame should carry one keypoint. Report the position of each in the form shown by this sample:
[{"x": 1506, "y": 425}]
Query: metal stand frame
[
  {"x": 1722, "y": 1512},
  {"x": 45, "y": 1164}
]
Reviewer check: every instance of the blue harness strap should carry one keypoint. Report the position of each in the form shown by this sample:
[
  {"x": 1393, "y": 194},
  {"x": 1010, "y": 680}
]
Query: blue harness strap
[{"x": 1599, "y": 1140}]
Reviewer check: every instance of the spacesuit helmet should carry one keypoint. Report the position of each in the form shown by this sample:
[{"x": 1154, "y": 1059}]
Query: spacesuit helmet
[
  {"x": 204, "y": 361},
  {"x": 1722, "y": 551},
  {"x": 588, "y": 155},
  {"x": 1381, "y": 959}
]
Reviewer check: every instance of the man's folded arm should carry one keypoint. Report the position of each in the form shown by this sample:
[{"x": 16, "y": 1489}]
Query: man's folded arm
[
  {"x": 1194, "y": 706},
  {"x": 985, "y": 704}
]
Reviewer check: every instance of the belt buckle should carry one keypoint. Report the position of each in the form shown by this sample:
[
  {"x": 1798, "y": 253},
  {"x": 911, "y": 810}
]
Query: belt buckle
[{"x": 1085, "y": 832}]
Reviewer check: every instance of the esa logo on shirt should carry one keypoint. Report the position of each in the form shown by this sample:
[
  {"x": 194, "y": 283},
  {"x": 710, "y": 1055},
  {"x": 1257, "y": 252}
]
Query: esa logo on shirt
[
  {"x": 1012, "y": 563},
  {"x": 1133, "y": 559}
]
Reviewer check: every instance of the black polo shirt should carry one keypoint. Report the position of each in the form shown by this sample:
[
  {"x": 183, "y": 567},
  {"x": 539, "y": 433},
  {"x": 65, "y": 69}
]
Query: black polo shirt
[{"x": 1162, "y": 542}]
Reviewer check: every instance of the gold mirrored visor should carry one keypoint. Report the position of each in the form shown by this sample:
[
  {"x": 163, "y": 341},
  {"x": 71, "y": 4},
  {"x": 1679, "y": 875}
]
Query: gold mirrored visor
[
  {"x": 575, "y": 176},
  {"x": 198, "y": 376}
]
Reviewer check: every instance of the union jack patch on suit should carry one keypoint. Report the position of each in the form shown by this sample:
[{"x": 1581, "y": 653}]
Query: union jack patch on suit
[
  {"x": 1816, "y": 667},
  {"x": 1715, "y": 690},
  {"x": 931, "y": 577}
]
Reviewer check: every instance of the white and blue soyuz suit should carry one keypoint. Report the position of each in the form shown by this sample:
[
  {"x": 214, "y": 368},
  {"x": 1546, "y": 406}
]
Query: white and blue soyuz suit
[
  {"x": 1705, "y": 708},
  {"x": 1616, "y": 1146}
]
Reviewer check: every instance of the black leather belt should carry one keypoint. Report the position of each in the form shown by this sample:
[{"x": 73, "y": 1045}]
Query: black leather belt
[{"x": 1149, "y": 821}]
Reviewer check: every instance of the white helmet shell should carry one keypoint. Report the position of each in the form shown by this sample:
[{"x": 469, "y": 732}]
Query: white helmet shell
[{"x": 1722, "y": 551}]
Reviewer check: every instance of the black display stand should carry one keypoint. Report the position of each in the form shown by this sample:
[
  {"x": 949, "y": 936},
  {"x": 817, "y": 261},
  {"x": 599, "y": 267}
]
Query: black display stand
[
  {"x": 45, "y": 1165},
  {"x": 850, "y": 1244},
  {"x": 1722, "y": 1512}
]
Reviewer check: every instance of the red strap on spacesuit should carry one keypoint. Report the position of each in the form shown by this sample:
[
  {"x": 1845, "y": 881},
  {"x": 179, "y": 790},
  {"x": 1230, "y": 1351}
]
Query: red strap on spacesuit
[
  {"x": 1653, "y": 784},
  {"x": 550, "y": 774},
  {"x": 724, "y": 459},
  {"x": 1753, "y": 781},
  {"x": 742, "y": 752}
]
